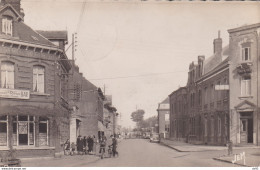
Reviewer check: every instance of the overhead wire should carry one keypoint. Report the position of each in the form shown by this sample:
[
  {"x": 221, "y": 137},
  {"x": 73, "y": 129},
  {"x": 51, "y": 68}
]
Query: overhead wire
[{"x": 140, "y": 75}]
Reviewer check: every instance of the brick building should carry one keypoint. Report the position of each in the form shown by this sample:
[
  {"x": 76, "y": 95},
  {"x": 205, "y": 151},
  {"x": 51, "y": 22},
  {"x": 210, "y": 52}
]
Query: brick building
[
  {"x": 223, "y": 92},
  {"x": 199, "y": 107},
  {"x": 34, "y": 115},
  {"x": 178, "y": 114},
  {"x": 86, "y": 101}
]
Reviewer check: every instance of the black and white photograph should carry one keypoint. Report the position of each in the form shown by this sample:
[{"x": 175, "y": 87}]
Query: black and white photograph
[{"x": 129, "y": 83}]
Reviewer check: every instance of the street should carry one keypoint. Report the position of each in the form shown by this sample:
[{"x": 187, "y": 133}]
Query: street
[
  {"x": 138, "y": 153},
  {"x": 142, "y": 153}
]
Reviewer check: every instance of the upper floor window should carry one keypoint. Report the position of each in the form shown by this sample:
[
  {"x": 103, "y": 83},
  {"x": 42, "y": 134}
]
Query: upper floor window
[
  {"x": 205, "y": 95},
  {"x": 246, "y": 56},
  {"x": 7, "y": 26},
  {"x": 7, "y": 75},
  {"x": 38, "y": 79},
  {"x": 246, "y": 86}
]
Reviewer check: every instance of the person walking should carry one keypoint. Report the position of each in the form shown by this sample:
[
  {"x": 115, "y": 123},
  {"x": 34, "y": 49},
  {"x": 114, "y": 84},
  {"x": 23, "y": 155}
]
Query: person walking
[
  {"x": 114, "y": 146},
  {"x": 67, "y": 147},
  {"x": 91, "y": 143},
  {"x": 73, "y": 148},
  {"x": 77, "y": 143},
  {"x": 85, "y": 145}
]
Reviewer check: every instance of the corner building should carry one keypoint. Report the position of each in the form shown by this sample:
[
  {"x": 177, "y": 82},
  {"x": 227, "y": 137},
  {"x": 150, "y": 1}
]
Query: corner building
[{"x": 34, "y": 115}]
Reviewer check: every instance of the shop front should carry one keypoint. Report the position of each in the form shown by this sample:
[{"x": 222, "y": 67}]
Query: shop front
[{"x": 30, "y": 130}]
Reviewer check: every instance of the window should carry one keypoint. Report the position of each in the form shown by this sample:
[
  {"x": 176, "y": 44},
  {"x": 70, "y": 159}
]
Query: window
[
  {"x": 3, "y": 130},
  {"x": 43, "y": 131},
  {"x": 243, "y": 126},
  {"x": 219, "y": 126},
  {"x": 246, "y": 54},
  {"x": 212, "y": 126},
  {"x": 7, "y": 26},
  {"x": 205, "y": 95},
  {"x": 218, "y": 92},
  {"x": 200, "y": 101},
  {"x": 38, "y": 79},
  {"x": 7, "y": 75},
  {"x": 206, "y": 127},
  {"x": 246, "y": 86},
  {"x": 212, "y": 92}
]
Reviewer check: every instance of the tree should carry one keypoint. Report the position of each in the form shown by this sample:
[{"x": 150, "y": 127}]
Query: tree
[
  {"x": 149, "y": 122},
  {"x": 138, "y": 116}
]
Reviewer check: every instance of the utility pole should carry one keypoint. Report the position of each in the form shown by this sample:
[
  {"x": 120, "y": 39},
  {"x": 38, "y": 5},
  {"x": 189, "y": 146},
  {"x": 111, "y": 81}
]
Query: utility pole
[{"x": 74, "y": 45}]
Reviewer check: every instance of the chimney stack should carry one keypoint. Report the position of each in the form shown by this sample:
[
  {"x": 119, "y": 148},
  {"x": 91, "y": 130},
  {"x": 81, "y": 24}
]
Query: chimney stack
[
  {"x": 16, "y": 4},
  {"x": 217, "y": 44}
]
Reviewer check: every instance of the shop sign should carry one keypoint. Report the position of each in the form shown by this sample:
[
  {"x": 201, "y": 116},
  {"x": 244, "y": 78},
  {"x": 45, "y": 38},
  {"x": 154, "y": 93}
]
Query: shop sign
[
  {"x": 14, "y": 94},
  {"x": 23, "y": 127}
]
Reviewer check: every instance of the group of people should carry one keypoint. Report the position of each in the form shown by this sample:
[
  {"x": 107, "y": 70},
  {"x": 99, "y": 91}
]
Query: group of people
[
  {"x": 111, "y": 142},
  {"x": 83, "y": 145}
]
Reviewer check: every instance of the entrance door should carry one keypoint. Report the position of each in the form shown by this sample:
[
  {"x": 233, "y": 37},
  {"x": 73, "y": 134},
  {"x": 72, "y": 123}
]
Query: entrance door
[
  {"x": 23, "y": 133},
  {"x": 246, "y": 130},
  {"x": 243, "y": 130},
  {"x": 250, "y": 131}
]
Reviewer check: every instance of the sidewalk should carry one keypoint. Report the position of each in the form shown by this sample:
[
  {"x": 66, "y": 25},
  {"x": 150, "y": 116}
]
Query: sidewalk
[
  {"x": 64, "y": 161},
  {"x": 242, "y": 155},
  {"x": 187, "y": 147},
  {"x": 244, "y": 158}
]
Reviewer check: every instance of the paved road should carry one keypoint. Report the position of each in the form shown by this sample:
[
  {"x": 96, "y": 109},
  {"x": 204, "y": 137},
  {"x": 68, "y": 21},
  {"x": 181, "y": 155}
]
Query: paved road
[
  {"x": 142, "y": 153},
  {"x": 137, "y": 153}
]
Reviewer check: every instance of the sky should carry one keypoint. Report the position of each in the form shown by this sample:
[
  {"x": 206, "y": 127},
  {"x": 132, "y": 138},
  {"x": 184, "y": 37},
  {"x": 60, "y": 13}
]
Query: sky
[{"x": 139, "y": 51}]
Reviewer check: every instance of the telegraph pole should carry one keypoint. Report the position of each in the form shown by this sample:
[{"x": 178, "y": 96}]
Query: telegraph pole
[{"x": 74, "y": 45}]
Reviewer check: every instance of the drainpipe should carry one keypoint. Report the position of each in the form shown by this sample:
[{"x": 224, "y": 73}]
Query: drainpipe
[{"x": 257, "y": 93}]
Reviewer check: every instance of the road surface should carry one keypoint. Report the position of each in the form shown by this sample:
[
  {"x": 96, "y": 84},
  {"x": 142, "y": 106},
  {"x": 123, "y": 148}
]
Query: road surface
[{"x": 142, "y": 153}]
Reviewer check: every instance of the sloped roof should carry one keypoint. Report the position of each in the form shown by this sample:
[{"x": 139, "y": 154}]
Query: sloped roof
[
  {"x": 57, "y": 35},
  {"x": 24, "y": 33},
  {"x": 27, "y": 34},
  {"x": 165, "y": 101},
  {"x": 220, "y": 65},
  {"x": 213, "y": 61}
]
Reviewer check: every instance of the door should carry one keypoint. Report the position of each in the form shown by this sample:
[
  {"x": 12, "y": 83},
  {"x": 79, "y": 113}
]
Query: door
[
  {"x": 250, "y": 131},
  {"x": 243, "y": 130}
]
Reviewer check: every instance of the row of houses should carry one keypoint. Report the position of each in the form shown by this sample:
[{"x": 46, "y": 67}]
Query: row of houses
[
  {"x": 221, "y": 99},
  {"x": 44, "y": 98}
]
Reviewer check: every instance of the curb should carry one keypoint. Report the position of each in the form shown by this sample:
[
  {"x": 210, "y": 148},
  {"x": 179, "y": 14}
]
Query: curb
[
  {"x": 221, "y": 160},
  {"x": 173, "y": 147}
]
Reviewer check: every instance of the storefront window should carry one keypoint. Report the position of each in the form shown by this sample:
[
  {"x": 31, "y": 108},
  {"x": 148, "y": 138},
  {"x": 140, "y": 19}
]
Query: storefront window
[
  {"x": 23, "y": 130},
  {"x": 3, "y": 130},
  {"x": 43, "y": 131}
]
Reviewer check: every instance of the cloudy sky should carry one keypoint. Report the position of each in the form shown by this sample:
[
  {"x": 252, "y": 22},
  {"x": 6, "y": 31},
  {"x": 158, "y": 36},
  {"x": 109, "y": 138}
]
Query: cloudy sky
[{"x": 140, "y": 50}]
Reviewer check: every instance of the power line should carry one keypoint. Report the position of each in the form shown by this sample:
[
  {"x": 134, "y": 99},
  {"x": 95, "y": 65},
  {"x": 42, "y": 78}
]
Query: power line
[{"x": 141, "y": 75}]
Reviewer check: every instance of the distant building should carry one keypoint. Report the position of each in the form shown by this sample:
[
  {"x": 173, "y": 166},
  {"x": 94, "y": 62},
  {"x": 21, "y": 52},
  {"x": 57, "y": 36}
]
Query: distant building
[
  {"x": 110, "y": 117},
  {"x": 164, "y": 118},
  {"x": 178, "y": 114},
  {"x": 86, "y": 101}
]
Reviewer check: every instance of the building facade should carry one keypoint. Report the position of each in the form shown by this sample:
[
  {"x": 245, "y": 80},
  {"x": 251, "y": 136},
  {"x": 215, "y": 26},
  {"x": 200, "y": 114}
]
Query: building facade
[
  {"x": 34, "y": 116},
  {"x": 178, "y": 114},
  {"x": 244, "y": 84},
  {"x": 223, "y": 92},
  {"x": 86, "y": 101},
  {"x": 164, "y": 118},
  {"x": 110, "y": 117}
]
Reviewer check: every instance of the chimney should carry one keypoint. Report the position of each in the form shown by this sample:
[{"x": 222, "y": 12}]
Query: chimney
[
  {"x": 16, "y": 4},
  {"x": 217, "y": 44},
  {"x": 201, "y": 59}
]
